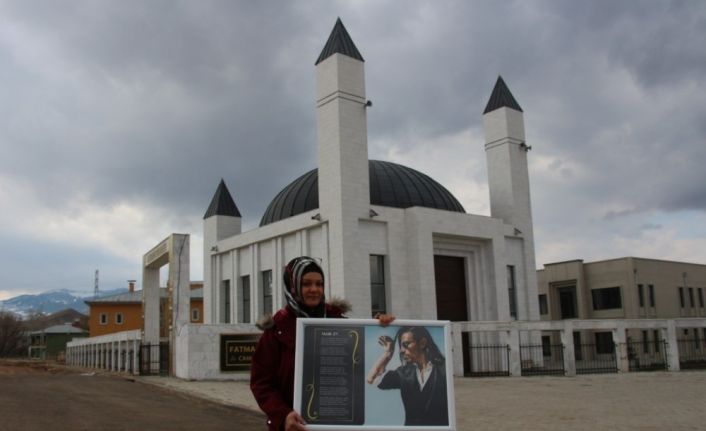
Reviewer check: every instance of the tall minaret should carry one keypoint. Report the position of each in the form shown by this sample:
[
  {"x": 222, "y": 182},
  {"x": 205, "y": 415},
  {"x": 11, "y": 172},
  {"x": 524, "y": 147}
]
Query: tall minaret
[
  {"x": 222, "y": 220},
  {"x": 508, "y": 181},
  {"x": 344, "y": 191}
]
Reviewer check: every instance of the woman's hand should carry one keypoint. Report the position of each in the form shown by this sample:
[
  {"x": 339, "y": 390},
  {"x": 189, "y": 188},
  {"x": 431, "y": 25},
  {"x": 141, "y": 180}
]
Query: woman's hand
[
  {"x": 294, "y": 422},
  {"x": 385, "y": 319}
]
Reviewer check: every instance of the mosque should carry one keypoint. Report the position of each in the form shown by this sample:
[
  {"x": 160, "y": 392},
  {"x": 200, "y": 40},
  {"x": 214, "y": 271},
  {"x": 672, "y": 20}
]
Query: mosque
[{"x": 390, "y": 238}]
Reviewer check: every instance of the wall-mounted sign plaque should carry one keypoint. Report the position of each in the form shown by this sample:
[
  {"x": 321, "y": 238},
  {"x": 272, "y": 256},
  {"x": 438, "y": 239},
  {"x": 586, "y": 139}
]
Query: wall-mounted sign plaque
[{"x": 237, "y": 351}]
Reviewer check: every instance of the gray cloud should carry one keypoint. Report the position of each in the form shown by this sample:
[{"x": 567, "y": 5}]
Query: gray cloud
[{"x": 153, "y": 102}]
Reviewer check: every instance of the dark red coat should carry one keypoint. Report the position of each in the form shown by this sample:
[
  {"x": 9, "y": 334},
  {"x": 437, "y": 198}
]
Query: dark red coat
[{"x": 272, "y": 371}]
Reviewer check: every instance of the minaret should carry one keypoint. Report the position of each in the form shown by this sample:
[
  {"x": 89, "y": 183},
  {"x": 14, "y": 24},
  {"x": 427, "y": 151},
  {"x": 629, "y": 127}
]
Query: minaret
[
  {"x": 508, "y": 181},
  {"x": 344, "y": 191},
  {"x": 222, "y": 220}
]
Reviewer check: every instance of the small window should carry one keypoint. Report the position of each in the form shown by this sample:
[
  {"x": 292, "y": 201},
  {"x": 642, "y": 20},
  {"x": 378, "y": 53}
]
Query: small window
[
  {"x": 244, "y": 306},
  {"x": 652, "y": 294},
  {"x": 691, "y": 297},
  {"x": 701, "y": 297},
  {"x": 656, "y": 340},
  {"x": 225, "y": 301},
  {"x": 607, "y": 298},
  {"x": 512, "y": 291},
  {"x": 103, "y": 319},
  {"x": 118, "y": 318},
  {"x": 604, "y": 343},
  {"x": 681, "y": 297},
  {"x": 645, "y": 342},
  {"x": 378, "y": 301},
  {"x": 640, "y": 295},
  {"x": 194, "y": 314},
  {"x": 543, "y": 306},
  {"x": 266, "y": 277}
]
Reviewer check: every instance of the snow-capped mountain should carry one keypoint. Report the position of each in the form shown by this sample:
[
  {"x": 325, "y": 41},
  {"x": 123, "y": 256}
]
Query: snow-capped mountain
[{"x": 50, "y": 302}]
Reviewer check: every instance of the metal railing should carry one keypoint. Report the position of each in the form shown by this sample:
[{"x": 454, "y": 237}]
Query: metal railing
[
  {"x": 595, "y": 359},
  {"x": 154, "y": 359},
  {"x": 647, "y": 356},
  {"x": 692, "y": 354},
  {"x": 542, "y": 359},
  {"x": 488, "y": 360}
]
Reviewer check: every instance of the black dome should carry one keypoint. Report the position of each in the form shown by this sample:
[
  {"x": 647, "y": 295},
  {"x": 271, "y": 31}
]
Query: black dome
[{"x": 391, "y": 185}]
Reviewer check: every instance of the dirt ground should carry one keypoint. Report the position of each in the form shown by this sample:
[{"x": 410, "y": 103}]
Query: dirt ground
[{"x": 40, "y": 396}]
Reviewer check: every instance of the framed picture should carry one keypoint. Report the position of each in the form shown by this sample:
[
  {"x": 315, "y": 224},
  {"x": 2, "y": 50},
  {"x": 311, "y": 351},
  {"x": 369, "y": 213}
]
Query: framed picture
[{"x": 355, "y": 374}]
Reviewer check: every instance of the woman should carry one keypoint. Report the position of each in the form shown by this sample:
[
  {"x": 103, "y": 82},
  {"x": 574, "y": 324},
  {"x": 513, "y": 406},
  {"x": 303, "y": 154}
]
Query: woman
[
  {"x": 421, "y": 378},
  {"x": 272, "y": 372}
]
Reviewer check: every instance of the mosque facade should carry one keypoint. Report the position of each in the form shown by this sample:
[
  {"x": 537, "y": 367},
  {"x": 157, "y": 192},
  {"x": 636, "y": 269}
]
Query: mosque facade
[{"x": 390, "y": 238}]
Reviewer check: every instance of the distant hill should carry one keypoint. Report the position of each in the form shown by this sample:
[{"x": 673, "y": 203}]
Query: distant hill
[
  {"x": 51, "y": 302},
  {"x": 67, "y": 316}
]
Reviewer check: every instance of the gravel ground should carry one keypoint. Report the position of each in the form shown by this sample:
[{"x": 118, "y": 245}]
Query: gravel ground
[{"x": 631, "y": 401}]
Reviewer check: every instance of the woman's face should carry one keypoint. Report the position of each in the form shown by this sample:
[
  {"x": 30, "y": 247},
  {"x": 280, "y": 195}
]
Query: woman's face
[
  {"x": 411, "y": 349},
  {"x": 312, "y": 289}
]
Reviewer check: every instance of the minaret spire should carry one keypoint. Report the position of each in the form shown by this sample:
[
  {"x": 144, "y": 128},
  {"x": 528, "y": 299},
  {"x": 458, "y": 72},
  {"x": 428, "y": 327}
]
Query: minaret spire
[
  {"x": 339, "y": 42},
  {"x": 222, "y": 203},
  {"x": 509, "y": 186},
  {"x": 501, "y": 97},
  {"x": 344, "y": 188},
  {"x": 222, "y": 220}
]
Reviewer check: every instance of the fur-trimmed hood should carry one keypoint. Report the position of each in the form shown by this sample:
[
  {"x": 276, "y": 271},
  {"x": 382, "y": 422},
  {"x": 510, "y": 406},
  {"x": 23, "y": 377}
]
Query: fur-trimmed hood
[{"x": 336, "y": 306}]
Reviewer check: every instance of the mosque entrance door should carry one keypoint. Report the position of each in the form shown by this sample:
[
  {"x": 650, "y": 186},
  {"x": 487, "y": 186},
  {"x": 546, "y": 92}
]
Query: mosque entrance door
[{"x": 450, "y": 279}]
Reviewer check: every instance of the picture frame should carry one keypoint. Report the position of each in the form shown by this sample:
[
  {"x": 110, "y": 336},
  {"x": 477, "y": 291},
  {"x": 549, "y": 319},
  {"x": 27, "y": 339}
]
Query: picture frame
[{"x": 336, "y": 359}]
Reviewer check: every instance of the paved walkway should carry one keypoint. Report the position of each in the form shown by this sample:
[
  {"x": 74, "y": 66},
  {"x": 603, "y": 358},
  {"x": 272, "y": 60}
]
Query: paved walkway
[{"x": 633, "y": 401}]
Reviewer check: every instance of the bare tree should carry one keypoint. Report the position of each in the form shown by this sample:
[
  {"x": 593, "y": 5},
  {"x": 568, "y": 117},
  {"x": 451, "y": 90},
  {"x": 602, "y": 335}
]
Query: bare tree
[{"x": 12, "y": 340}]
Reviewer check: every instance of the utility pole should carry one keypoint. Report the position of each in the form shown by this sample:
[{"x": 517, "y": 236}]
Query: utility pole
[{"x": 95, "y": 286}]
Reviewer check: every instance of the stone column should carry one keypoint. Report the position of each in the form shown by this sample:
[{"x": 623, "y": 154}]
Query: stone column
[
  {"x": 120, "y": 355},
  {"x": 567, "y": 339},
  {"x": 456, "y": 335},
  {"x": 621, "y": 348},
  {"x": 670, "y": 335},
  {"x": 513, "y": 341},
  {"x": 135, "y": 356}
]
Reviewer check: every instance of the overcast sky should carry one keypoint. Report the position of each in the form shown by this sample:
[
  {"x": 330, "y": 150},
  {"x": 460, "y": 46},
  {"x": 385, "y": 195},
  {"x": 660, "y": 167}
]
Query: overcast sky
[{"x": 119, "y": 118}]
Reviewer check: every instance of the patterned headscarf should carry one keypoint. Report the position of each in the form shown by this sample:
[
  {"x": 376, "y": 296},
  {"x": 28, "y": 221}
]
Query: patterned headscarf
[{"x": 293, "y": 273}]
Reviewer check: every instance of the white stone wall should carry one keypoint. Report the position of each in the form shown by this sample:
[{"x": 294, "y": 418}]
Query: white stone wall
[
  {"x": 198, "y": 352},
  {"x": 268, "y": 253},
  {"x": 215, "y": 228},
  {"x": 408, "y": 239}
]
